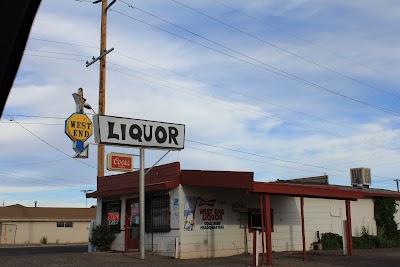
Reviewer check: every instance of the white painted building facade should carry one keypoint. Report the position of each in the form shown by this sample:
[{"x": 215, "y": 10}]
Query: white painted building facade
[{"x": 215, "y": 221}]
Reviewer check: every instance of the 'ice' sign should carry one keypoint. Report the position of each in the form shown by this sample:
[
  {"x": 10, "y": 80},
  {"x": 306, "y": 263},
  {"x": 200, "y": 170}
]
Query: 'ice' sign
[{"x": 110, "y": 130}]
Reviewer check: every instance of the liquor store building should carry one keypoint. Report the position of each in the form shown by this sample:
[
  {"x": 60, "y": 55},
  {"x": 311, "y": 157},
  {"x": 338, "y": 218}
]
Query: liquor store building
[{"x": 199, "y": 214}]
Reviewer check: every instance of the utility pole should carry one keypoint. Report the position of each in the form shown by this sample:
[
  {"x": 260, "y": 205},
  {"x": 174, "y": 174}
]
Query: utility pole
[
  {"x": 397, "y": 182},
  {"x": 102, "y": 76},
  {"x": 102, "y": 82}
]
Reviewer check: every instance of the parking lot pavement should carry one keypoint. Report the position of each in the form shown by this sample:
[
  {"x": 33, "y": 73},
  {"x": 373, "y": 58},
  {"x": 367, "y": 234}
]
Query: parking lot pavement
[{"x": 364, "y": 258}]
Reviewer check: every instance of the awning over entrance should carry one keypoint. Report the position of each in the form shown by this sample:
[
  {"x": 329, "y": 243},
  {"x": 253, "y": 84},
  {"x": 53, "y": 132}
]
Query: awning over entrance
[
  {"x": 317, "y": 191},
  {"x": 160, "y": 177}
]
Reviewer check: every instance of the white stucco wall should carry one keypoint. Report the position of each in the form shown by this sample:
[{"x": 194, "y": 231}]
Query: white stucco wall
[
  {"x": 32, "y": 232},
  {"x": 362, "y": 214},
  {"x": 203, "y": 243},
  {"x": 319, "y": 215}
]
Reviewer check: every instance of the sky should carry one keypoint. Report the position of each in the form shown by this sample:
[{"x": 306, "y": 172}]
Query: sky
[{"x": 284, "y": 89}]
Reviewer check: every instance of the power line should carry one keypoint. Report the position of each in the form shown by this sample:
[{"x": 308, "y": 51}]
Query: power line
[
  {"x": 266, "y": 163},
  {"x": 298, "y": 37},
  {"x": 276, "y": 71},
  {"x": 44, "y": 141},
  {"x": 223, "y": 88},
  {"x": 285, "y": 50},
  {"x": 31, "y": 116},
  {"x": 36, "y": 123},
  {"x": 53, "y": 57},
  {"x": 228, "y": 103},
  {"x": 262, "y": 156},
  {"x": 224, "y": 102},
  {"x": 231, "y": 91},
  {"x": 14, "y": 173},
  {"x": 37, "y": 163},
  {"x": 59, "y": 53},
  {"x": 254, "y": 154},
  {"x": 44, "y": 40},
  {"x": 241, "y": 94},
  {"x": 246, "y": 109},
  {"x": 217, "y": 86},
  {"x": 261, "y": 162},
  {"x": 164, "y": 85}
]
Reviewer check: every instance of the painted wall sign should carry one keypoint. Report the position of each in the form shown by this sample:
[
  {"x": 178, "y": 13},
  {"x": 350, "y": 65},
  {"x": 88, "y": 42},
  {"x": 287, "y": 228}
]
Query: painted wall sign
[
  {"x": 78, "y": 127},
  {"x": 138, "y": 133},
  {"x": 119, "y": 162},
  {"x": 212, "y": 218}
]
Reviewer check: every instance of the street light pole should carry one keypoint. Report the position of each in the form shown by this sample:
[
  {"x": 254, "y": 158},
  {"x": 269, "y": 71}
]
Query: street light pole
[{"x": 85, "y": 191}]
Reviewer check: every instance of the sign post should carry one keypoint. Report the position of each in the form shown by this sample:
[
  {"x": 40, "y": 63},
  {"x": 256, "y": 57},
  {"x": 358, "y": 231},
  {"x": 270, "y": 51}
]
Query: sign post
[
  {"x": 141, "y": 204},
  {"x": 78, "y": 127},
  {"x": 117, "y": 131}
]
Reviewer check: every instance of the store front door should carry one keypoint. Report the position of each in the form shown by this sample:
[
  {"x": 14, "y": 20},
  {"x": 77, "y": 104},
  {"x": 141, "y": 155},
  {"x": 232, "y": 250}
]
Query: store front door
[{"x": 132, "y": 234}]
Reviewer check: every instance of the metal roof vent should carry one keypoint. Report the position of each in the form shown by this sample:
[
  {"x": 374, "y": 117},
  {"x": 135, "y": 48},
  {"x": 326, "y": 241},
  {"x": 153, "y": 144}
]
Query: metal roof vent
[{"x": 360, "y": 177}]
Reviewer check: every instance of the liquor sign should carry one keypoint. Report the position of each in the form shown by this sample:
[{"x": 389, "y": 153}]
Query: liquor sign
[
  {"x": 119, "y": 162},
  {"x": 118, "y": 131}
]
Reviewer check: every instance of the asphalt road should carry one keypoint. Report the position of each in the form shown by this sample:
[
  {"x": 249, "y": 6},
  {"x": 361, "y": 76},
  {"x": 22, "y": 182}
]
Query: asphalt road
[
  {"x": 46, "y": 249},
  {"x": 77, "y": 256}
]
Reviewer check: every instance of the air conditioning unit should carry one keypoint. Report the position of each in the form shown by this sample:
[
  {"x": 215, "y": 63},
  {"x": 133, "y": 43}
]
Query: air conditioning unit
[{"x": 360, "y": 176}]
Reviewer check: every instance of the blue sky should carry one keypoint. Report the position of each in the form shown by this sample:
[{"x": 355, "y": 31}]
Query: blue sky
[{"x": 286, "y": 89}]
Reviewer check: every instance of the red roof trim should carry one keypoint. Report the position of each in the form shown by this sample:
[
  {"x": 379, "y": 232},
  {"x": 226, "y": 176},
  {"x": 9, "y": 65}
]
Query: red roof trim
[
  {"x": 170, "y": 175},
  {"x": 381, "y": 194},
  {"x": 135, "y": 189},
  {"x": 304, "y": 190},
  {"x": 217, "y": 178}
]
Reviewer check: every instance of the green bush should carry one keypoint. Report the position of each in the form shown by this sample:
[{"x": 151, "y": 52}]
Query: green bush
[
  {"x": 102, "y": 237},
  {"x": 384, "y": 211},
  {"x": 331, "y": 241},
  {"x": 366, "y": 242},
  {"x": 43, "y": 240}
]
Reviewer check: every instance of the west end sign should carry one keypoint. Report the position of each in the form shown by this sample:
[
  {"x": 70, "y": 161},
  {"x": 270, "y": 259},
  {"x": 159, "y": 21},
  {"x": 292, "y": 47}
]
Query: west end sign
[{"x": 109, "y": 130}]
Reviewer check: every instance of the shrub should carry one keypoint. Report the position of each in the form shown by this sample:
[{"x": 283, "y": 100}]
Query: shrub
[
  {"x": 102, "y": 237},
  {"x": 366, "y": 241},
  {"x": 331, "y": 241},
  {"x": 43, "y": 240},
  {"x": 384, "y": 211}
]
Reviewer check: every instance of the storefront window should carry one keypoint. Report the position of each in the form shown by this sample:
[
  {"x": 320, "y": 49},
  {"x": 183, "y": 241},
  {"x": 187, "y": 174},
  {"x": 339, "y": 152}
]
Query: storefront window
[
  {"x": 111, "y": 215},
  {"x": 158, "y": 212}
]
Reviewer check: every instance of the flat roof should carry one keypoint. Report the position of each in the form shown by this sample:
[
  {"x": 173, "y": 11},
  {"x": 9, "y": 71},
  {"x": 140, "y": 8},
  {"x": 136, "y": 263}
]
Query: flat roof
[{"x": 170, "y": 176}]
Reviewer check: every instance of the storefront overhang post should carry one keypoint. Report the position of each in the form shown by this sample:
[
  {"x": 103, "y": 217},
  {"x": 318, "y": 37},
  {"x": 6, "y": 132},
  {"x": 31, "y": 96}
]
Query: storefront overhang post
[
  {"x": 303, "y": 237},
  {"x": 268, "y": 227},
  {"x": 262, "y": 229},
  {"x": 348, "y": 229}
]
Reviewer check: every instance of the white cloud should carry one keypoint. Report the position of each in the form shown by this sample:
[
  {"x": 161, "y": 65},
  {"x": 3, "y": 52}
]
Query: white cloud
[{"x": 44, "y": 86}]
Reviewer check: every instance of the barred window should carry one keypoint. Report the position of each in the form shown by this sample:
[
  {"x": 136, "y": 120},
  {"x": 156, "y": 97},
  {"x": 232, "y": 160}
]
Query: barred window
[
  {"x": 65, "y": 224},
  {"x": 157, "y": 213}
]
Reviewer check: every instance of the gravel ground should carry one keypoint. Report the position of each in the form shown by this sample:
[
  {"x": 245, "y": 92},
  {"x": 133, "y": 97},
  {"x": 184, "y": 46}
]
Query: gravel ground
[{"x": 364, "y": 258}]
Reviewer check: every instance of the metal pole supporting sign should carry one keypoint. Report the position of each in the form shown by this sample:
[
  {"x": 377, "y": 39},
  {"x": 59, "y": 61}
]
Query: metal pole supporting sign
[{"x": 141, "y": 204}]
